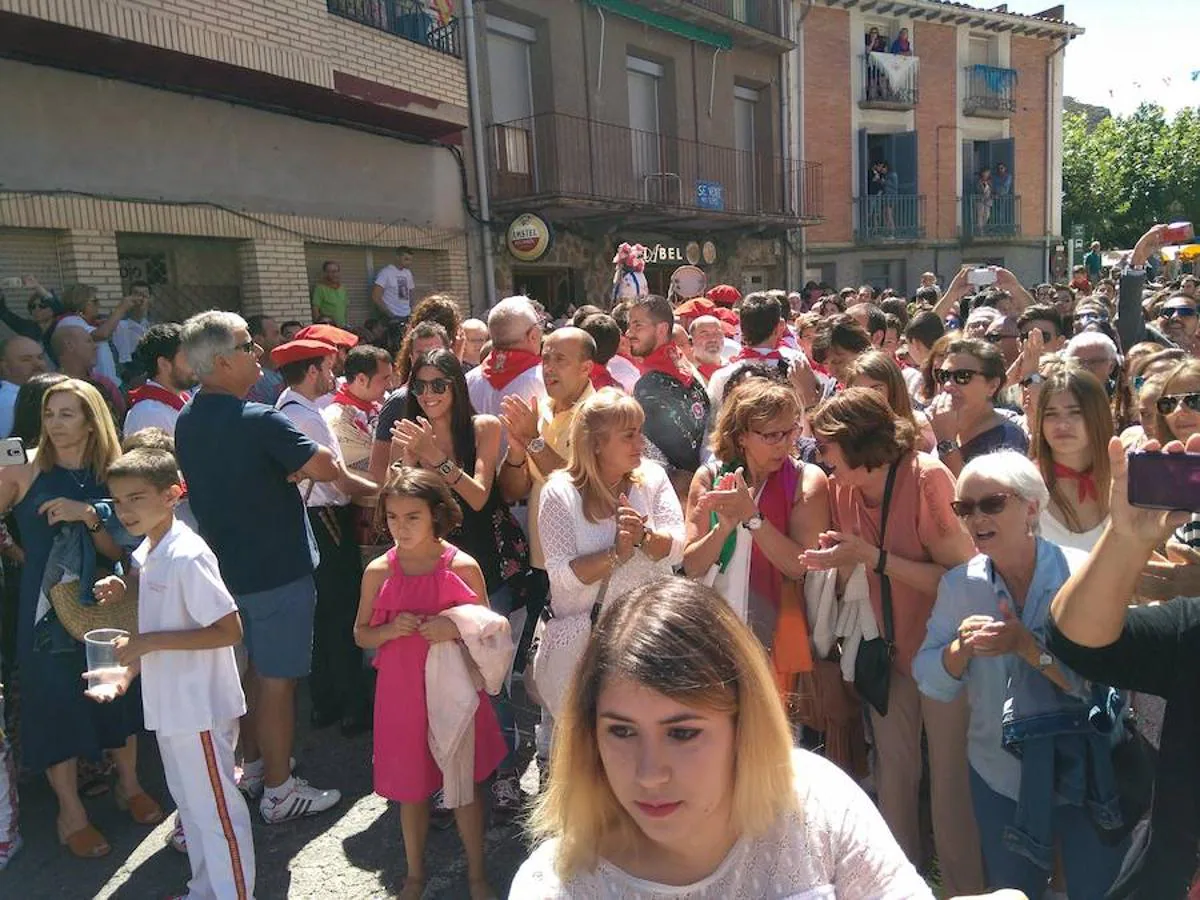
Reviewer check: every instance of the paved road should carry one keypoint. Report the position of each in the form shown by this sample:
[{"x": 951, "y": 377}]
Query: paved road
[{"x": 352, "y": 851}]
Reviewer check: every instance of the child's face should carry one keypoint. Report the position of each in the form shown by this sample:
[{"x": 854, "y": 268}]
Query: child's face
[
  {"x": 409, "y": 521},
  {"x": 140, "y": 505}
]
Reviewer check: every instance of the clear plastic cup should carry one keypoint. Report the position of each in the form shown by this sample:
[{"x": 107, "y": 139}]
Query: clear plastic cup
[{"x": 104, "y": 671}]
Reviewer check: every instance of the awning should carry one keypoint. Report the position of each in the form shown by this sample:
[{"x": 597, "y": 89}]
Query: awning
[{"x": 663, "y": 22}]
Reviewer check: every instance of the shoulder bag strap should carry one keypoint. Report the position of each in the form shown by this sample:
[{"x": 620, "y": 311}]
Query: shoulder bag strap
[{"x": 885, "y": 583}]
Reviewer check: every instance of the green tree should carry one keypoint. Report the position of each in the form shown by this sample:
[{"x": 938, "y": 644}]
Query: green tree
[{"x": 1129, "y": 172}]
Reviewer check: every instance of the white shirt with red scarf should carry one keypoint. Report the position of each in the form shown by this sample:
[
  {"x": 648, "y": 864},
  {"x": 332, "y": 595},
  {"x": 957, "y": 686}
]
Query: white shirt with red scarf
[
  {"x": 154, "y": 406},
  {"x": 716, "y": 384}
]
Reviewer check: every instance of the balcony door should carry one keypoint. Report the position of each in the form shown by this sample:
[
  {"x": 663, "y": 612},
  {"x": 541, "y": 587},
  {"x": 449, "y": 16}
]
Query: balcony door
[
  {"x": 745, "y": 114},
  {"x": 889, "y": 205},
  {"x": 645, "y": 81},
  {"x": 994, "y": 211},
  {"x": 511, "y": 86}
]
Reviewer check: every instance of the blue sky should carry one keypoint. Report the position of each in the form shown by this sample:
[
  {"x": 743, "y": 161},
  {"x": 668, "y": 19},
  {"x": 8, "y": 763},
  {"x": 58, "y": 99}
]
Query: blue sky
[{"x": 1132, "y": 51}]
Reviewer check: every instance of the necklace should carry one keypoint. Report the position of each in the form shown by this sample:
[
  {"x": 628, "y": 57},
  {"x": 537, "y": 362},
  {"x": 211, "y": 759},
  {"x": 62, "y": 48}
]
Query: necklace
[{"x": 79, "y": 481}]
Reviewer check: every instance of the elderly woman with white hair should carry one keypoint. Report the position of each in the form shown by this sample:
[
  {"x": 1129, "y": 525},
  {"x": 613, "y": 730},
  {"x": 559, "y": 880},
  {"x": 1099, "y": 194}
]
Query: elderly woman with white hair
[
  {"x": 1097, "y": 353},
  {"x": 1029, "y": 730}
]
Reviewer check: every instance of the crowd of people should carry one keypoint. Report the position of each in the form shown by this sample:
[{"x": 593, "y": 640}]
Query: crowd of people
[{"x": 713, "y": 541}]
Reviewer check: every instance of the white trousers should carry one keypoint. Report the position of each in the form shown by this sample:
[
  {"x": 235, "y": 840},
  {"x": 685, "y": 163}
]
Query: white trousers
[{"x": 216, "y": 822}]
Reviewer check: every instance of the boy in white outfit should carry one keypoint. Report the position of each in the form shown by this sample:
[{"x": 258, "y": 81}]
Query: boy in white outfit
[{"x": 188, "y": 625}]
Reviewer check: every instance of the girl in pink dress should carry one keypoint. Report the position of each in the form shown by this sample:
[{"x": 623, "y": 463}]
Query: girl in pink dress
[{"x": 403, "y": 593}]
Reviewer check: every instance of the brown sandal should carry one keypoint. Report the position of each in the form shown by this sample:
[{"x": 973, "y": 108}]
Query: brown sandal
[
  {"x": 86, "y": 843},
  {"x": 142, "y": 808}
]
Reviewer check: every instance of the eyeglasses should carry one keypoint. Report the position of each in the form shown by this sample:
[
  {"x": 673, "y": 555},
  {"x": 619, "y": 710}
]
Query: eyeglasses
[
  {"x": 997, "y": 338},
  {"x": 1047, "y": 337},
  {"x": 774, "y": 437},
  {"x": 960, "y": 376},
  {"x": 1170, "y": 403},
  {"x": 436, "y": 385},
  {"x": 247, "y": 347},
  {"x": 991, "y": 505},
  {"x": 1171, "y": 312}
]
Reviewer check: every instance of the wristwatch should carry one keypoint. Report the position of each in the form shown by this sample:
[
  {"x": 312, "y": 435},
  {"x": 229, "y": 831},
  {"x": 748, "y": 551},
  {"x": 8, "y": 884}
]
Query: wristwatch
[
  {"x": 445, "y": 467},
  {"x": 1045, "y": 661},
  {"x": 537, "y": 445},
  {"x": 945, "y": 448},
  {"x": 754, "y": 522},
  {"x": 94, "y": 529}
]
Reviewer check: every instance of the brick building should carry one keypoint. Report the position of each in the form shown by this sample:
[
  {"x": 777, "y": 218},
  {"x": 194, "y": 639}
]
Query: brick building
[
  {"x": 655, "y": 122},
  {"x": 979, "y": 89},
  {"x": 222, "y": 149}
]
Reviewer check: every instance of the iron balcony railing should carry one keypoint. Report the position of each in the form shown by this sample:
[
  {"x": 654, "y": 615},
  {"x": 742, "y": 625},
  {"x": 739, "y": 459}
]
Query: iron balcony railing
[
  {"x": 760, "y": 14},
  {"x": 889, "y": 81},
  {"x": 408, "y": 19},
  {"x": 554, "y": 155},
  {"x": 890, "y": 217},
  {"x": 990, "y": 91},
  {"x": 995, "y": 216}
]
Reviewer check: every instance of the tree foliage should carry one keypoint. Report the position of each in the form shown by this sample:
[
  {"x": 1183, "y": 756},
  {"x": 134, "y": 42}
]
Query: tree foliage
[{"x": 1129, "y": 172}]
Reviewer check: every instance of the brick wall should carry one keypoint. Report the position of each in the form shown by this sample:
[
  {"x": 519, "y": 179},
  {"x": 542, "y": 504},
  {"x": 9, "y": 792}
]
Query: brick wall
[
  {"x": 827, "y": 100},
  {"x": 936, "y": 122},
  {"x": 90, "y": 257},
  {"x": 295, "y": 39},
  {"x": 1028, "y": 57}
]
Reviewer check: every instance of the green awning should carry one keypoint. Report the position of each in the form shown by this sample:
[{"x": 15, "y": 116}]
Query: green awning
[{"x": 663, "y": 22}]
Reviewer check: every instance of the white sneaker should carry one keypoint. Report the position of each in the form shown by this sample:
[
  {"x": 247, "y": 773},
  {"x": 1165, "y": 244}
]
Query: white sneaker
[
  {"x": 253, "y": 785},
  {"x": 302, "y": 800}
]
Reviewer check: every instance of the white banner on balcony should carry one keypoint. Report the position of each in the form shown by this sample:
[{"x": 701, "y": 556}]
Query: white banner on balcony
[{"x": 898, "y": 70}]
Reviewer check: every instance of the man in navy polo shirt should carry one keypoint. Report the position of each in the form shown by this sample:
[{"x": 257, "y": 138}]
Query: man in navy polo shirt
[{"x": 241, "y": 461}]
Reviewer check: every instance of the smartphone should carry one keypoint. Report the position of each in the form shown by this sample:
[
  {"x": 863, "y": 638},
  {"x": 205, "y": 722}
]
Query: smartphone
[
  {"x": 12, "y": 452},
  {"x": 1164, "y": 480},
  {"x": 1178, "y": 233},
  {"x": 979, "y": 277}
]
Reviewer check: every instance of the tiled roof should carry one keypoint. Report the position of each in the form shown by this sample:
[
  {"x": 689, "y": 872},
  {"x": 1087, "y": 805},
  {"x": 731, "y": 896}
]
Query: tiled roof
[{"x": 1049, "y": 22}]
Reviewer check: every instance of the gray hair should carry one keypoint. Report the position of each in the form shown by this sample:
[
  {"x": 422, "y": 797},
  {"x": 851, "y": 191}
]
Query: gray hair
[
  {"x": 1087, "y": 340},
  {"x": 207, "y": 335},
  {"x": 1015, "y": 471},
  {"x": 510, "y": 320}
]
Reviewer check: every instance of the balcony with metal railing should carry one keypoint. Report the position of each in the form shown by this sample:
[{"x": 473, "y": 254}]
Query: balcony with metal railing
[
  {"x": 884, "y": 218},
  {"x": 990, "y": 218},
  {"x": 408, "y": 19},
  {"x": 592, "y": 168},
  {"x": 889, "y": 81},
  {"x": 752, "y": 23},
  {"x": 989, "y": 91}
]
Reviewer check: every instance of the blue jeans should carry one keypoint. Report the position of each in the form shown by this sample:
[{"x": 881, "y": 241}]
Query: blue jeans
[
  {"x": 1089, "y": 865},
  {"x": 501, "y": 600}
]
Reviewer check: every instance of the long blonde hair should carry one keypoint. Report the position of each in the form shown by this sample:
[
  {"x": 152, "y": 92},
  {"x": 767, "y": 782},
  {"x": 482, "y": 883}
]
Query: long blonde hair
[
  {"x": 606, "y": 411},
  {"x": 681, "y": 639},
  {"x": 103, "y": 446}
]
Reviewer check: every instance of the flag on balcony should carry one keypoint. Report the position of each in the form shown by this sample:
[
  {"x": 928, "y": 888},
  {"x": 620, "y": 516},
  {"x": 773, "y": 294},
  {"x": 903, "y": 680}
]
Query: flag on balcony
[{"x": 444, "y": 10}]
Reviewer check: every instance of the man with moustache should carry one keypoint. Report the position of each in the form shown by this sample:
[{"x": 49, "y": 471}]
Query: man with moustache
[
  {"x": 708, "y": 340},
  {"x": 156, "y": 404},
  {"x": 20, "y": 359}
]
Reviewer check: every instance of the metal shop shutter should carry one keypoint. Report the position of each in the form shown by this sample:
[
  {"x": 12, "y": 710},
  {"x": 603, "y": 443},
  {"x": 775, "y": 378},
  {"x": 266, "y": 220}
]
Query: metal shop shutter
[{"x": 359, "y": 267}]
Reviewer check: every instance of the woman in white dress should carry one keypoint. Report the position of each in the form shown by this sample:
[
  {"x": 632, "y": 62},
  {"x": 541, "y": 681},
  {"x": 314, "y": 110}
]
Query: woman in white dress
[
  {"x": 608, "y": 522},
  {"x": 674, "y": 774}
]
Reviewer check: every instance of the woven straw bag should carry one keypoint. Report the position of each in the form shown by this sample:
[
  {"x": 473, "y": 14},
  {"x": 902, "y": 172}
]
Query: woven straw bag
[{"x": 80, "y": 618}]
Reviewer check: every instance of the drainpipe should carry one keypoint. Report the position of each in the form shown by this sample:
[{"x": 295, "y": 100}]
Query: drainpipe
[
  {"x": 785, "y": 138},
  {"x": 480, "y": 154},
  {"x": 798, "y": 84},
  {"x": 1051, "y": 108}
]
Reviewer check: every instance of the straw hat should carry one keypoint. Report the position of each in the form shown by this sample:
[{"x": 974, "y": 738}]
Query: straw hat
[{"x": 80, "y": 618}]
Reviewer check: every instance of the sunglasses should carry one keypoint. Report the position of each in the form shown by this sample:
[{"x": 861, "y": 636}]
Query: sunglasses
[
  {"x": 1047, "y": 337},
  {"x": 1168, "y": 404},
  {"x": 960, "y": 376},
  {"x": 1171, "y": 312},
  {"x": 774, "y": 437},
  {"x": 997, "y": 338},
  {"x": 436, "y": 385},
  {"x": 991, "y": 505}
]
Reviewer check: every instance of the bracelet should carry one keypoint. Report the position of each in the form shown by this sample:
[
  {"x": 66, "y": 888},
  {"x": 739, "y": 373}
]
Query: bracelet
[
  {"x": 881, "y": 566},
  {"x": 458, "y": 479},
  {"x": 511, "y": 464}
]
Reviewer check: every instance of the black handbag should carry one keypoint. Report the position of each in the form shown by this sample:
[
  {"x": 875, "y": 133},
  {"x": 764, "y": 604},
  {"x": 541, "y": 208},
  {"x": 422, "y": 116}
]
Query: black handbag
[
  {"x": 873, "y": 664},
  {"x": 1134, "y": 762}
]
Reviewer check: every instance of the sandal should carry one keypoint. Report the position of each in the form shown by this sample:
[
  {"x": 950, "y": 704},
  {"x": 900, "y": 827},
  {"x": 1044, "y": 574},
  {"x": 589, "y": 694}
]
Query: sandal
[
  {"x": 142, "y": 808},
  {"x": 86, "y": 843},
  {"x": 414, "y": 889}
]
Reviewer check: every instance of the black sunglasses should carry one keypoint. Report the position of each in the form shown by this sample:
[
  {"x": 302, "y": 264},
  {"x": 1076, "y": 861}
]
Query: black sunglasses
[
  {"x": 1168, "y": 404},
  {"x": 997, "y": 338},
  {"x": 960, "y": 376},
  {"x": 991, "y": 505},
  {"x": 436, "y": 385},
  {"x": 1170, "y": 312}
]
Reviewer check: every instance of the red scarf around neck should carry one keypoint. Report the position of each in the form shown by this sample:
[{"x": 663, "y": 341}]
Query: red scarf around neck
[
  {"x": 502, "y": 366},
  {"x": 751, "y": 353},
  {"x": 345, "y": 398},
  {"x": 1085, "y": 482},
  {"x": 707, "y": 369},
  {"x": 666, "y": 359},
  {"x": 150, "y": 391},
  {"x": 602, "y": 378}
]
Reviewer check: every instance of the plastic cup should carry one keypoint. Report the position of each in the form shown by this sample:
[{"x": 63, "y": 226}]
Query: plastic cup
[{"x": 104, "y": 671}]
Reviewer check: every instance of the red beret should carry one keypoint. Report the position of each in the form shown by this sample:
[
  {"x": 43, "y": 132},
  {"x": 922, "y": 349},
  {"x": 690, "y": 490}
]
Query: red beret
[
  {"x": 724, "y": 294},
  {"x": 301, "y": 348},
  {"x": 694, "y": 308},
  {"x": 330, "y": 334}
]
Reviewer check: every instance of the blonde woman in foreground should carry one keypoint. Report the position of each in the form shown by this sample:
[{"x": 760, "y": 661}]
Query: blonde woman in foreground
[{"x": 673, "y": 774}]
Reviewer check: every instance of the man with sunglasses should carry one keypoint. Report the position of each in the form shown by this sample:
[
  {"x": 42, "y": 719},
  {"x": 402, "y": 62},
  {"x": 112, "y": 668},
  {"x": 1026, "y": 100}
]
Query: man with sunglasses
[{"x": 1177, "y": 320}]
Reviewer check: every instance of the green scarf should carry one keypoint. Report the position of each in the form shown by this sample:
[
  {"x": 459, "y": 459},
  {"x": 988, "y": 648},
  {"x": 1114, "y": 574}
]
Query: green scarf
[{"x": 730, "y": 544}]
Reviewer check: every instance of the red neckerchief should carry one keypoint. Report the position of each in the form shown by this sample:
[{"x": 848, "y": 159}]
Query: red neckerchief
[
  {"x": 502, "y": 366},
  {"x": 751, "y": 353},
  {"x": 345, "y": 398},
  {"x": 602, "y": 378},
  {"x": 707, "y": 369},
  {"x": 819, "y": 369},
  {"x": 151, "y": 391},
  {"x": 666, "y": 360},
  {"x": 1085, "y": 481}
]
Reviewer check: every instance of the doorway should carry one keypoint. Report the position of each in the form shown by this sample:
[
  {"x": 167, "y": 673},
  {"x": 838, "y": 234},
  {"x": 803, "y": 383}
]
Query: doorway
[{"x": 555, "y": 289}]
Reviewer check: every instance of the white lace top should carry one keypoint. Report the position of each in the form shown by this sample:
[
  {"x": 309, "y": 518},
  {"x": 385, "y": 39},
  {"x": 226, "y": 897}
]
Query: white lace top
[
  {"x": 566, "y": 534},
  {"x": 836, "y": 846}
]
